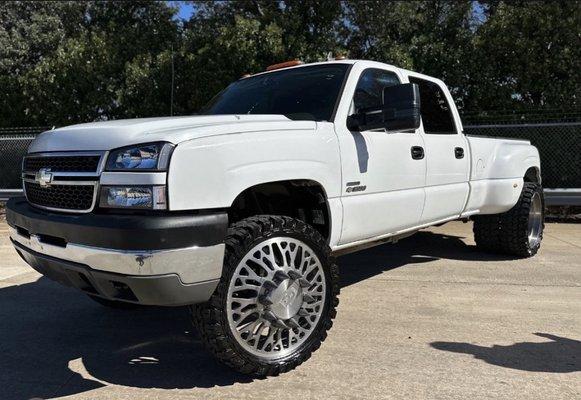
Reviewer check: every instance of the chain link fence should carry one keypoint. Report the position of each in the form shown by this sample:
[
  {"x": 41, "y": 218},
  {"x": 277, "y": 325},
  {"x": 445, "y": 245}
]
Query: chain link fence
[
  {"x": 14, "y": 143},
  {"x": 559, "y": 145},
  {"x": 557, "y": 135},
  {"x": 558, "y": 141}
]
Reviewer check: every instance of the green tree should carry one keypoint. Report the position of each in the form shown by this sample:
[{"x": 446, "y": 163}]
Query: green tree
[
  {"x": 68, "y": 62},
  {"x": 226, "y": 40},
  {"x": 29, "y": 32},
  {"x": 71, "y": 62},
  {"x": 530, "y": 54},
  {"x": 431, "y": 37}
]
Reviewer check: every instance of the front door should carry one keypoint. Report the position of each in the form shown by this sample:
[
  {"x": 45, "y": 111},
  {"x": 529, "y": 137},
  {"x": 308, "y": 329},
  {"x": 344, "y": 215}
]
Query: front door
[{"x": 383, "y": 174}]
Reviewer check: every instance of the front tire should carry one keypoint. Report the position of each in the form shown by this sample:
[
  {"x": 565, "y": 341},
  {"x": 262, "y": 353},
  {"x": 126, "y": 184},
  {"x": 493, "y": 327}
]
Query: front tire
[
  {"x": 517, "y": 232},
  {"x": 276, "y": 299}
]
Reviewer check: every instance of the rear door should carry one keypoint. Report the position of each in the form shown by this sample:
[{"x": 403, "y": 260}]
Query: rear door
[{"x": 447, "y": 152}]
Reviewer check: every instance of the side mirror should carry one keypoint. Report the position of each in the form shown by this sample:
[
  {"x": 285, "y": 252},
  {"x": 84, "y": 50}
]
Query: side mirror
[
  {"x": 400, "y": 111},
  {"x": 401, "y": 107}
]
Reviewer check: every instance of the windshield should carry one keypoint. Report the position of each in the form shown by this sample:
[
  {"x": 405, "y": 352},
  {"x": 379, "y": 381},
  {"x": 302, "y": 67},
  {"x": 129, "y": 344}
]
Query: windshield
[{"x": 305, "y": 93}]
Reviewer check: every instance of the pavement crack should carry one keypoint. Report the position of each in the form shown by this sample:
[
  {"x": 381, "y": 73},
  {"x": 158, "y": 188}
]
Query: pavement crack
[
  {"x": 564, "y": 241},
  {"x": 58, "y": 390},
  {"x": 475, "y": 283}
]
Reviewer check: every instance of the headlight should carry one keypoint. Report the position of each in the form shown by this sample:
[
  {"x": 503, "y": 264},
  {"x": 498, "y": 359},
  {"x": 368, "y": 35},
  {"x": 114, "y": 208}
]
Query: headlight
[
  {"x": 144, "y": 157},
  {"x": 136, "y": 197}
]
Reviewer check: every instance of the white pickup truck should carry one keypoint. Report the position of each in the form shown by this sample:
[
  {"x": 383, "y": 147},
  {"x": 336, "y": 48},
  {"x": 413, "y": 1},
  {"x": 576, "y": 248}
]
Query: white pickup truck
[{"x": 238, "y": 212}]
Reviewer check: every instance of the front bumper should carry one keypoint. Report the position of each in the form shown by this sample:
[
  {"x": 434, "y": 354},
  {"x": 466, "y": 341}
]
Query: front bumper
[{"x": 152, "y": 259}]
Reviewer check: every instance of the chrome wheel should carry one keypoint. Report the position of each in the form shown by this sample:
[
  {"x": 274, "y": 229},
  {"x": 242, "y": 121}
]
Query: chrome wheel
[
  {"x": 535, "y": 221},
  {"x": 276, "y": 297}
]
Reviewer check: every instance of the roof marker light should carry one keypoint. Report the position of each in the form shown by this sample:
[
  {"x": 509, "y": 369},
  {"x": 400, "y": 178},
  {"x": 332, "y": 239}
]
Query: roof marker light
[{"x": 285, "y": 64}]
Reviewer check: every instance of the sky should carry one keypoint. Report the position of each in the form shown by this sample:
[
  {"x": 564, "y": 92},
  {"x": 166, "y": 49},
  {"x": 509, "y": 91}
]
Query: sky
[{"x": 185, "y": 9}]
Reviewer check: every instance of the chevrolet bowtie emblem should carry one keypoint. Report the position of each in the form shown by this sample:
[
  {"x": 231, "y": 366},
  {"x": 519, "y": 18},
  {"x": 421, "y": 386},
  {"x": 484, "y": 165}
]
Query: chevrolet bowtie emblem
[{"x": 43, "y": 177}]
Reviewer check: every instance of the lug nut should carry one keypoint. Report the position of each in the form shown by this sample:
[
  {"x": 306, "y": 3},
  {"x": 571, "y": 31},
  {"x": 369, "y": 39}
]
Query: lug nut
[
  {"x": 264, "y": 300},
  {"x": 293, "y": 323},
  {"x": 303, "y": 313},
  {"x": 280, "y": 324},
  {"x": 269, "y": 316},
  {"x": 304, "y": 283},
  {"x": 269, "y": 285},
  {"x": 308, "y": 298},
  {"x": 280, "y": 276},
  {"x": 294, "y": 275}
]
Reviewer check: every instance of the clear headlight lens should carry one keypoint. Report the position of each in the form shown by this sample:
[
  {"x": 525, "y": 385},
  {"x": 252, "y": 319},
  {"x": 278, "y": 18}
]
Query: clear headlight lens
[
  {"x": 150, "y": 157},
  {"x": 136, "y": 197}
]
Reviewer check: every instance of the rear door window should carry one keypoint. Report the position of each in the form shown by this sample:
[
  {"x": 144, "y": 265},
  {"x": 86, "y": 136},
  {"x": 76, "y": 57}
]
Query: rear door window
[{"x": 436, "y": 112}]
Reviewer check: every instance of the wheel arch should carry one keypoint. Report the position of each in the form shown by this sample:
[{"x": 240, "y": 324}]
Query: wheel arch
[
  {"x": 305, "y": 199},
  {"x": 533, "y": 175}
]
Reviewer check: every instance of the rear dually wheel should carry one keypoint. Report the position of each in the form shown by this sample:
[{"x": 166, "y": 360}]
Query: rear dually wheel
[{"x": 518, "y": 231}]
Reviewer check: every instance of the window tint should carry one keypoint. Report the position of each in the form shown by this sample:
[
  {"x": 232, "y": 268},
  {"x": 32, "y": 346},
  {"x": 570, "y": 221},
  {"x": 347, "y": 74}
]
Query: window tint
[
  {"x": 305, "y": 93},
  {"x": 435, "y": 110},
  {"x": 369, "y": 90}
]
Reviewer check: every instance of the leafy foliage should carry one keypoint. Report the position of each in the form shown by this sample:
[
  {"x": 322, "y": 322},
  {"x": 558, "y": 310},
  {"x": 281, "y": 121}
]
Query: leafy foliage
[
  {"x": 70, "y": 62},
  {"x": 533, "y": 55}
]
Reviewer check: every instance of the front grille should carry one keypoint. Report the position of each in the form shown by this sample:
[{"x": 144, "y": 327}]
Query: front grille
[
  {"x": 69, "y": 179},
  {"x": 65, "y": 197},
  {"x": 63, "y": 163}
]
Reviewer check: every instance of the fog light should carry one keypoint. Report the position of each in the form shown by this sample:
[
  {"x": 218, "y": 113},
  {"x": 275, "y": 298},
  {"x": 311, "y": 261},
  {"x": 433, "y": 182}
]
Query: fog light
[{"x": 138, "y": 197}]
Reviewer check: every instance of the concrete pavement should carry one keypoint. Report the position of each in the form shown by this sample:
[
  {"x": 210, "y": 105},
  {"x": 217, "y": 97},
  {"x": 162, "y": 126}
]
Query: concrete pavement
[{"x": 427, "y": 318}]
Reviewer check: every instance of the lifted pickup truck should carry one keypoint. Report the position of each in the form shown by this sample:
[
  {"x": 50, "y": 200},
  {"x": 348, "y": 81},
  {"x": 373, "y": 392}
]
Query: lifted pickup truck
[{"x": 238, "y": 212}]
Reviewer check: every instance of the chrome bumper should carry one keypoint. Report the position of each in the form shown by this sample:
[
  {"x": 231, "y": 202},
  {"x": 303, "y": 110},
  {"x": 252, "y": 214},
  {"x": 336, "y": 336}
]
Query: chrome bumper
[{"x": 192, "y": 264}]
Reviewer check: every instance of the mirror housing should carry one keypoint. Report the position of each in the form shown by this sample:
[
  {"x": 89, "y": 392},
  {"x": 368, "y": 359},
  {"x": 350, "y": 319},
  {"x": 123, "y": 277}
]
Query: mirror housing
[{"x": 400, "y": 111}]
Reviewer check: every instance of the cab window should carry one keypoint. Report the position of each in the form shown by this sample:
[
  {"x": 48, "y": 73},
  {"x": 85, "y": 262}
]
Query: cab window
[
  {"x": 302, "y": 93},
  {"x": 369, "y": 90},
  {"x": 434, "y": 108}
]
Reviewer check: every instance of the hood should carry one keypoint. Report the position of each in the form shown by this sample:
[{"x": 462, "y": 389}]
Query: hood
[{"x": 108, "y": 135}]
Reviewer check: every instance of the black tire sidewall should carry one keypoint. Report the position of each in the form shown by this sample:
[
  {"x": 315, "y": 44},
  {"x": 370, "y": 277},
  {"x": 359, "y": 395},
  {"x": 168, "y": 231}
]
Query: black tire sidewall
[
  {"x": 507, "y": 233},
  {"x": 315, "y": 337}
]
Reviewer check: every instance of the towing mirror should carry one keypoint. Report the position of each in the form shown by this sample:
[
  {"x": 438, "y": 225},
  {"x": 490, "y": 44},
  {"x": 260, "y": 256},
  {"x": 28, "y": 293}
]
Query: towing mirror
[
  {"x": 401, "y": 107},
  {"x": 400, "y": 111}
]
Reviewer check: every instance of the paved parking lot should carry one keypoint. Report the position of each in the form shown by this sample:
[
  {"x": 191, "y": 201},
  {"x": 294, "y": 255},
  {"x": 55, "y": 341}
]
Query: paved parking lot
[{"x": 430, "y": 317}]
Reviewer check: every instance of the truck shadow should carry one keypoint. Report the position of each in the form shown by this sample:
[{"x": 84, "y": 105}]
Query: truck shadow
[
  {"x": 422, "y": 247},
  {"x": 559, "y": 355},
  {"x": 56, "y": 342}
]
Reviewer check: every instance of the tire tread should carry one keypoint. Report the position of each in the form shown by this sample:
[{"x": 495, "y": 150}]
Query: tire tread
[
  {"x": 506, "y": 233},
  {"x": 208, "y": 317}
]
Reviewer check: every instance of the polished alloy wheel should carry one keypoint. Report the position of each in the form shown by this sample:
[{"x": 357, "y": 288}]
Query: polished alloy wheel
[
  {"x": 535, "y": 221},
  {"x": 518, "y": 231},
  {"x": 276, "y": 297}
]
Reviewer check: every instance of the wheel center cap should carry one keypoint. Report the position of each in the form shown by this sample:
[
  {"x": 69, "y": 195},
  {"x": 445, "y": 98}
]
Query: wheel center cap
[{"x": 286, "y": 299}]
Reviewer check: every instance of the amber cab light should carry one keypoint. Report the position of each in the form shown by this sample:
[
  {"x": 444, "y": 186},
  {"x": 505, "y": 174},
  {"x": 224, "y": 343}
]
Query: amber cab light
[{"x": 285, "y": 64}]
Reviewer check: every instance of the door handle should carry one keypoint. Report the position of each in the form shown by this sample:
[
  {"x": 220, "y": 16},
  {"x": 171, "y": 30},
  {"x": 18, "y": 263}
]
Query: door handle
[
  {"x": 459, "y": 152},
  {"x": 417, "y": 152}
]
